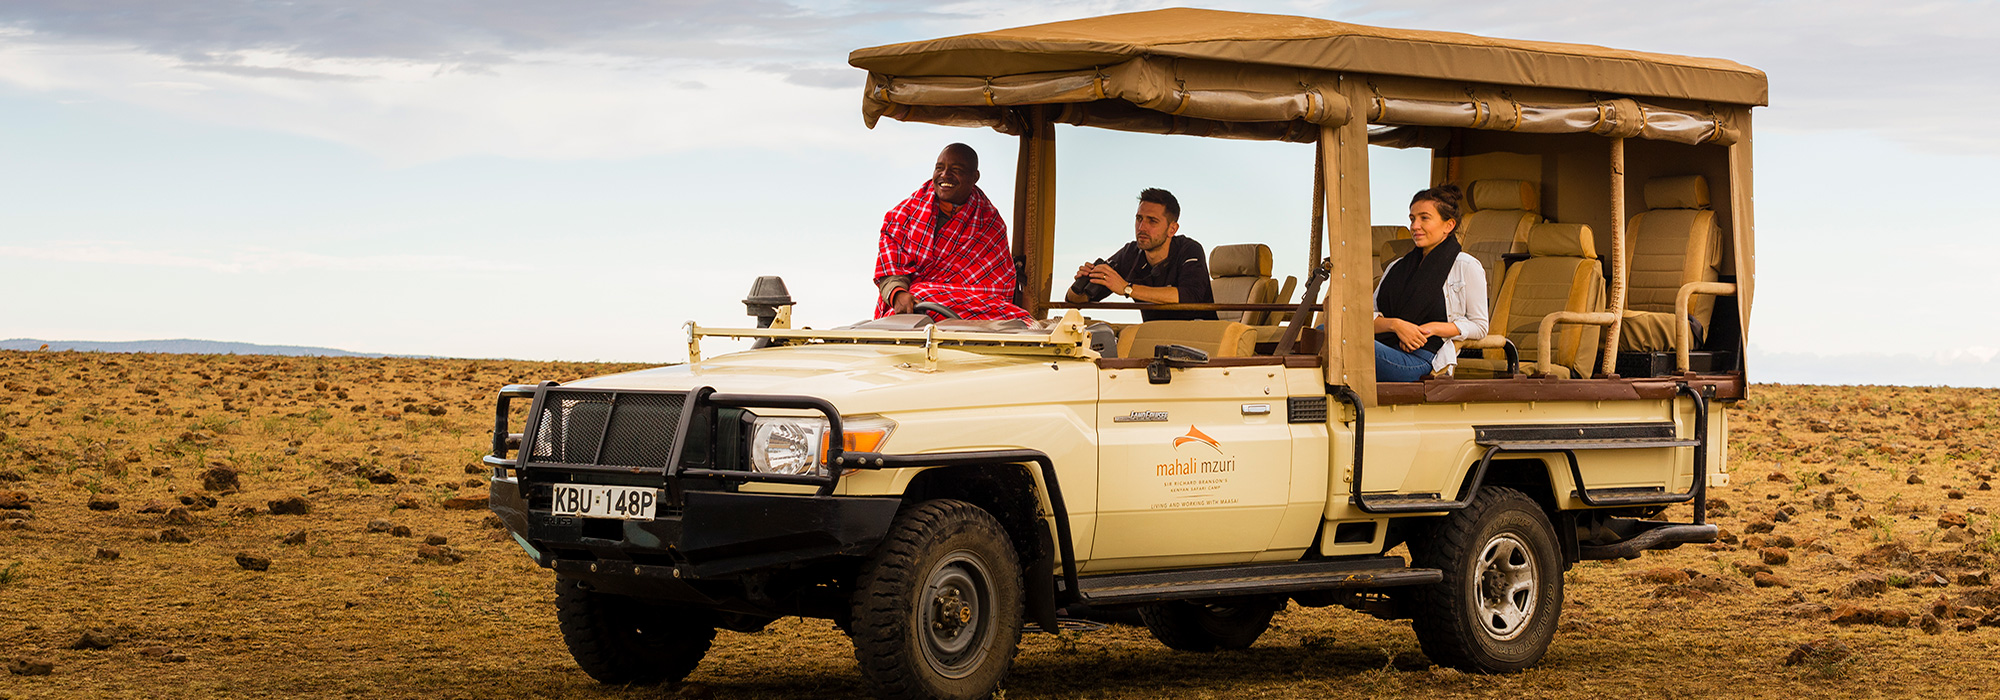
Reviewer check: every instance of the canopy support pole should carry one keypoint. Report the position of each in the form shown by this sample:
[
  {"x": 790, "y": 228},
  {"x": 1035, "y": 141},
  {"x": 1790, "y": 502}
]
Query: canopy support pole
[
  {"x": 1743, "y": 256},
  {"x": 1349, "y": 351},
  {"x": 1035, "y": 210},
  {"x": 1617, "y": 303}
]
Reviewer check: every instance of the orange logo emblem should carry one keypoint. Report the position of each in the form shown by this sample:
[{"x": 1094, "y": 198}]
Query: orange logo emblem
[{"x": 1195, "y": 435}]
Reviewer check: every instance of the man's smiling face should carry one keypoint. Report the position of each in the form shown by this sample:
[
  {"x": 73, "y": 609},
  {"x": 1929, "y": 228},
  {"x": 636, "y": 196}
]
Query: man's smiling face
[{"x": 955, "y": 174}]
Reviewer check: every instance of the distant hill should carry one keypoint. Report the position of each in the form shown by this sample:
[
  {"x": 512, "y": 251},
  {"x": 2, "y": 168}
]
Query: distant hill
[{"x": 186, "y": 346}]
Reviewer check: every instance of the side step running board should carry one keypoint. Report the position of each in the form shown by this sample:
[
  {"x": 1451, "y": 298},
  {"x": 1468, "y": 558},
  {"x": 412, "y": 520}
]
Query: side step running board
[{"x": 1254, "y": 579}]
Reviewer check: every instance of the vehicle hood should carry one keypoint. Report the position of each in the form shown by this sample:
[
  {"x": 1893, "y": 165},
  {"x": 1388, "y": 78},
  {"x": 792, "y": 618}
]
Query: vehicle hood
[{"x": 865, "y": 378}]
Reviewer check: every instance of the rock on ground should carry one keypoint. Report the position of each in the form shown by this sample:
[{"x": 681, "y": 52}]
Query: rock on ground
[
  {"x": 289, "y": 505},
  {"x": 1819, "y": 652},
  {"x": 253, "y": 562},
  {"x": 439, "y": 553},
  {"x": 29, "y": 667},
  {"x": 221, "y": 479}
]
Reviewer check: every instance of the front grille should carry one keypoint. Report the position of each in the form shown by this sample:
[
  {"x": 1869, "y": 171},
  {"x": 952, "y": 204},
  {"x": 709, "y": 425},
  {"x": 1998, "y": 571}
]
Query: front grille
[
  {"x": 1305, "y": 409},
  {"x": 608, "y": 429}
]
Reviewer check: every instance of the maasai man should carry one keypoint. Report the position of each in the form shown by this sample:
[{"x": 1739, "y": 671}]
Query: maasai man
[{"x": 947, "y": 244}]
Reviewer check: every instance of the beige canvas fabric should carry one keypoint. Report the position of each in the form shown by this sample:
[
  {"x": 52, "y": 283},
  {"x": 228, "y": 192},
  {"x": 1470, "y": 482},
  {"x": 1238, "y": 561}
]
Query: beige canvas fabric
[
  {"x": 1674, "y": 243},
  {"x": 1241, "y": 274},
  {"x": 1503, "y": 211},
  {"x": 1217, "y": 338},
  {"x": 1305, "y": 42},
  {"x": 1560, "y": 274},
  {"x": 1240, "y": 75}
]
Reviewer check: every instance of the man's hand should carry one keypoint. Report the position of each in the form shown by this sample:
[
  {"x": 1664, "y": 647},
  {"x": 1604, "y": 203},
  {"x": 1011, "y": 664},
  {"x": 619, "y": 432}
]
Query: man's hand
[
  {"x": 904, "y": 303},
  {"x": 1107, "y": 276},
  {"x": 1083, "y": 271}
]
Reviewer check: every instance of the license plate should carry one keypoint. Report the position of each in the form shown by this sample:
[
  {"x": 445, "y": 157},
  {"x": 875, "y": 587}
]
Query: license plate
[{"x": 614, "y": 502}]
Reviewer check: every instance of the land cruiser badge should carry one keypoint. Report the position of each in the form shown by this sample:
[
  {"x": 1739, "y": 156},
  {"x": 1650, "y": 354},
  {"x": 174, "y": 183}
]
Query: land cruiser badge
[{"x": 1141, "y": 417}]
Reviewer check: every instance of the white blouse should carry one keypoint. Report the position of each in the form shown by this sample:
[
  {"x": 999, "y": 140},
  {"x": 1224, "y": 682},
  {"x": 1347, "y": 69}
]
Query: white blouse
[{"x": 1464, "y": 305}]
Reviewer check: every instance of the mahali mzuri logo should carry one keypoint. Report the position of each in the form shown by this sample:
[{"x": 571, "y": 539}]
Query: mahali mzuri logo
[{"x": 1189, "y": 465}]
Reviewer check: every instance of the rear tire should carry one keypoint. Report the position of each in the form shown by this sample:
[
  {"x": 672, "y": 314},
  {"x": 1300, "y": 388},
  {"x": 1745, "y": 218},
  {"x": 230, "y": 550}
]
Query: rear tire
[
  {"x": 1497, "y": 607},
  {"x": 621, "y": 641},
  {"x": 1207, "y": 626},
  {"x": 938, "y": 606}
]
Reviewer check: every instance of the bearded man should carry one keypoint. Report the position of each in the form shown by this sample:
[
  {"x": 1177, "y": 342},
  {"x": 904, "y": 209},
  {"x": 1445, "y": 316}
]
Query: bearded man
[
  {"x": 1157, "y": 266},
  {"x": 946, "y": 244}
]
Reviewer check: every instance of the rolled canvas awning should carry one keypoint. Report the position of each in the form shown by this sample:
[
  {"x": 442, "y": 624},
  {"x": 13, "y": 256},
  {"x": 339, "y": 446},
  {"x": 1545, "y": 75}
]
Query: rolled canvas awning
[{"x": 1241, "y": 75}]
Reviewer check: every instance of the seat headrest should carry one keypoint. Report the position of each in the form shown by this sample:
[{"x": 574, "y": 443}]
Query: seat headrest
[
  {"x": 1505, "y": 194},
  {"x": 1387, "y": 233},
  {"x": 1682, "y": 192},
  {"x": 1240, "y": 260},
  {"x": 1561, "y": 240},
  {"x": 1395, "y": 249}
]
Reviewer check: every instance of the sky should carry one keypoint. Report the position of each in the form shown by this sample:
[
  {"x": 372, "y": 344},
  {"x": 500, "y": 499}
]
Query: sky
[{"x": 576, "y": 180}]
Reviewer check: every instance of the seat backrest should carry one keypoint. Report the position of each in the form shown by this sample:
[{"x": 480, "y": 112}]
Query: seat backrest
[
  {"x": 1380, "y": 236},
  {"x": 1391, "y": 251},
  {"x": 1241, "y": 274},
  {"x": 1674, "y": 242},
  {"x": 1502, "y": 212},
  {"x": 1217, "y": 338},
  {"x": 1561, "y": 274}
]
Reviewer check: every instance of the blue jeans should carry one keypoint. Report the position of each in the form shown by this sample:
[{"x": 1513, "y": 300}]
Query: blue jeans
[{"x": 1394, "y": 365}]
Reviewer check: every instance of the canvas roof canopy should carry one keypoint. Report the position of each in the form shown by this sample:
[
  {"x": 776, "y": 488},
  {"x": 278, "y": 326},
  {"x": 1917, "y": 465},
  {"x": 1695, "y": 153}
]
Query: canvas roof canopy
[{"x": 1242, "y": 75}]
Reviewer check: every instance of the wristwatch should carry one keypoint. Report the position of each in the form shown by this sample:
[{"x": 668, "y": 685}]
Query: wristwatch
[{"x": 1128, "y": 290}]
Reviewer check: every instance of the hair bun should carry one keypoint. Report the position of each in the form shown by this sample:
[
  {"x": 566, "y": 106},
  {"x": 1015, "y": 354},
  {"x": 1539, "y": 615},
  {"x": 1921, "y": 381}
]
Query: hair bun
[{"x": 1449, "y": 200}]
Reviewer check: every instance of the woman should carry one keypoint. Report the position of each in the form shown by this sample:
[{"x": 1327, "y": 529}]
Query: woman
[{"x": 1433, "y": 295}]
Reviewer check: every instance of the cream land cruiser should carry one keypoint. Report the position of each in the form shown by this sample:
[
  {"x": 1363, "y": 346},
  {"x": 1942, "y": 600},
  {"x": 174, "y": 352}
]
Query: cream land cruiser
[{"x": 932, "y": 487}]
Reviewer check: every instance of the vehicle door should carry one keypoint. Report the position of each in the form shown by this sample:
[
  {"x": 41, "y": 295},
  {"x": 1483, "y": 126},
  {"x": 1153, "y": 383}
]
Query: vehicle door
[{"x": 1193, "y": 471}]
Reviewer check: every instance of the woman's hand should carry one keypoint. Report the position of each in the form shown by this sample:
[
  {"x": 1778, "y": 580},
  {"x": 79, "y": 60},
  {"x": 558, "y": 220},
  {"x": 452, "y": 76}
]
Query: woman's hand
[{"x": 1409, "y": 335}]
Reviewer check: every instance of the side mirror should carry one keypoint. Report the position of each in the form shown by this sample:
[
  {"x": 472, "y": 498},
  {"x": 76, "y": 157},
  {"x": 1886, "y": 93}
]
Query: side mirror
[{"x": 1169, "y": 356}]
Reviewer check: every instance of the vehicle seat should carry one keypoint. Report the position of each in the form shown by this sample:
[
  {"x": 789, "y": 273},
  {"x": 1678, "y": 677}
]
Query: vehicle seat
[
  {"x": 1382, "y": 236},
  {"x": 1391, "y": 251},
  {"x": 1561, "y": 274},
  {"x": 1502, "y": 212},
  {"x": 1674, "y": 242},
  {"x": 1217, "y": 338},
  {"x": 1241, "y": 274}
]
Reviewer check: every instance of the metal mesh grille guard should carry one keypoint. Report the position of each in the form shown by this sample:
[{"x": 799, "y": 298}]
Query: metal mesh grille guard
[{"x": 627, "y": 431}]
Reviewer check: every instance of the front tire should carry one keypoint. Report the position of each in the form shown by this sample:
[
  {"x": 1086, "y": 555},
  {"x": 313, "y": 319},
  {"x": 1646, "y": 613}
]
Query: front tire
[
  {"x": 1207, "y": 626},
  {"x": 1496, "y": 609},
  {"x": 937, "y": 609},
  {"x": 621, "y": 641}
]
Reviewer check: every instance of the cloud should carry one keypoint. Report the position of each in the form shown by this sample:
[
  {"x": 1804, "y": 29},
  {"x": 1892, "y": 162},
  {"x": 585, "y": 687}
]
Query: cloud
[
  {"x": 1924, "y": 74},
  {"x": 251, "y": 261},
  {"x": 270, "y": 72},
  {"x": 425, "y": 80}
]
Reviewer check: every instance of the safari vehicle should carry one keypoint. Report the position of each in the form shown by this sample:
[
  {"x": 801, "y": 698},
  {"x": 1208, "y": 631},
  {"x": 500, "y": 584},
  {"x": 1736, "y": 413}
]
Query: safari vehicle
[{"x": 932, "y": 487}]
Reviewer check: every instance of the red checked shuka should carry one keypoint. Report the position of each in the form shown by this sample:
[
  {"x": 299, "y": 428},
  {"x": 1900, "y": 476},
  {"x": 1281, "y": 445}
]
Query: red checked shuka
[{"x": 963, "y": 264}]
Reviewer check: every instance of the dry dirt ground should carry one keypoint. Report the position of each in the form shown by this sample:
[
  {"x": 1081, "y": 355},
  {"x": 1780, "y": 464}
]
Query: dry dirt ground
[{"x": 351, "y": 557}]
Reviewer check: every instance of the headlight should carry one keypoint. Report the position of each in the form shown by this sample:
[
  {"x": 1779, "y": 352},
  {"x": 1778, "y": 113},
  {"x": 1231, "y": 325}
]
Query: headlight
[{"x": 784, "y": 445}]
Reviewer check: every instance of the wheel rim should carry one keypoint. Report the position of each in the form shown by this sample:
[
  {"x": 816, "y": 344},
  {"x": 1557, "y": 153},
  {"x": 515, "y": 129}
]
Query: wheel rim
[
  {"x": 1506, "y": 587},
  {"x": 955, "y": 616}
]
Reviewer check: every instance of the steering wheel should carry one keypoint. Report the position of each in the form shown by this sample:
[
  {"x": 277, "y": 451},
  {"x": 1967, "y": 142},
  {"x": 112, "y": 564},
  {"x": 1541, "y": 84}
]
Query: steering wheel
[{"x": 936, "y": 308}]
